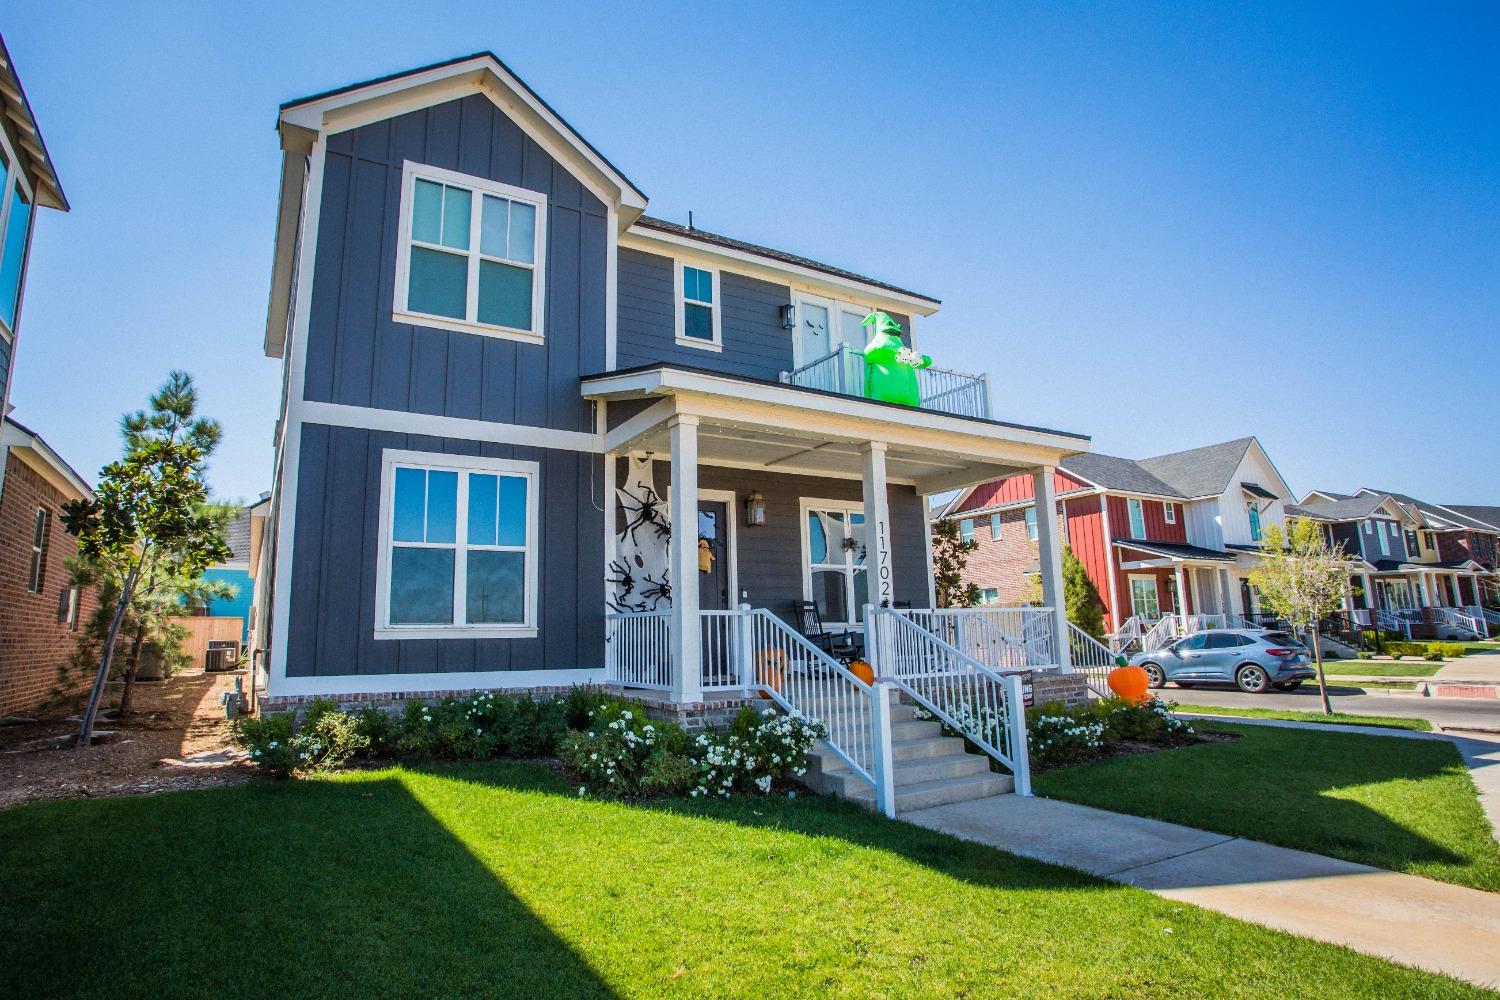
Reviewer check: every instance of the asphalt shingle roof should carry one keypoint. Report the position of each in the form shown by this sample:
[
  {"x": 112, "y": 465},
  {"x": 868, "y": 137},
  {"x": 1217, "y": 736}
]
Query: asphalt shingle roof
[
  {"x": 1118, "y": 474},
  {"x": 1176, "y": 550},
  {"x": 1200, "y": 472},
  {"x": 1488, "y": 516},
  {"x": 1451, "y": 516},
  {"x": 1347, "y": 509}
]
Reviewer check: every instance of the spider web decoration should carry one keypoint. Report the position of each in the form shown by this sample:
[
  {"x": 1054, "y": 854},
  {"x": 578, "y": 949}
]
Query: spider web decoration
[{"x": 638, "y": 576}]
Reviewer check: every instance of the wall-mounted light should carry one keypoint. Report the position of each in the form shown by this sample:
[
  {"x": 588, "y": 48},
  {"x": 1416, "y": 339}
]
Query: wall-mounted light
[
  {"x": 789, "y": 317},
  {"x": 755, "y": 510}
]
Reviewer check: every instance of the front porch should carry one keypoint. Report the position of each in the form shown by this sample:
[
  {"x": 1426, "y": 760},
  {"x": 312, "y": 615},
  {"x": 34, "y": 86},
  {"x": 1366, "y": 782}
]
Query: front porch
[
  {"x": 1424, "y": 601},
  {"x": 1172, "y": 590}
]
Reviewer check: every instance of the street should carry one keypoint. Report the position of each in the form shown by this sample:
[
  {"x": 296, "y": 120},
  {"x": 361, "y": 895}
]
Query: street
[{"x": 1479, "y": 713}]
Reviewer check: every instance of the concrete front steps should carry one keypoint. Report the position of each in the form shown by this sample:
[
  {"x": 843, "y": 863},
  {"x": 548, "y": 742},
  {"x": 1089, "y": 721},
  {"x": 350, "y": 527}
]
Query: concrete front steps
[{"x": 930, "y": 769}]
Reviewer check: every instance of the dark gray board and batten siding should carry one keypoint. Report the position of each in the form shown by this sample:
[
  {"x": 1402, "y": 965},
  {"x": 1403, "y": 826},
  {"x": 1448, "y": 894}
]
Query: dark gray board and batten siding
[
  {"x": 358, "y": 355},
  {"x": 337, "y": 548}
]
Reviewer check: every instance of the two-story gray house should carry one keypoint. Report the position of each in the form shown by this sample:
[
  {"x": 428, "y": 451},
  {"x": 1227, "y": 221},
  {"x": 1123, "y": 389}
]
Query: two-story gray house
[{"x": 532, "y": 437}]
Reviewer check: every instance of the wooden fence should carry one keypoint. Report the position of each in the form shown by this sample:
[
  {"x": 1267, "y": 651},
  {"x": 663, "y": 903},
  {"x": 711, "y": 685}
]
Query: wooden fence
[{"x": 201, "y": 629}]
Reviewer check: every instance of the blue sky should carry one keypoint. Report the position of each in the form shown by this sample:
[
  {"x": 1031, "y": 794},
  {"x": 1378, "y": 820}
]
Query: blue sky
[{"x": 1159, "y": 225}]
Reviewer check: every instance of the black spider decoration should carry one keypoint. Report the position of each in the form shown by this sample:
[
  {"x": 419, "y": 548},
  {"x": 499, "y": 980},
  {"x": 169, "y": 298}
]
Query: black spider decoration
[
  {"x": 621, "y": 578},
  {"x": 644, "y": 511},
  {"x": 656, "y": 592}
]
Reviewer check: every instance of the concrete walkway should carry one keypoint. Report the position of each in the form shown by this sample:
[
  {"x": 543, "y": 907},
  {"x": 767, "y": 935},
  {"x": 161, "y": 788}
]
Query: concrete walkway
[
  {"x": 1476, "y": 668},
  {"x": 1416, "y": 921}
]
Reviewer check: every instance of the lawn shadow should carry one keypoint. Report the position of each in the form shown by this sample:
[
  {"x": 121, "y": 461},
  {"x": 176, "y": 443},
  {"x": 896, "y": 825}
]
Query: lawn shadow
[{"x": 251, "y": 888}]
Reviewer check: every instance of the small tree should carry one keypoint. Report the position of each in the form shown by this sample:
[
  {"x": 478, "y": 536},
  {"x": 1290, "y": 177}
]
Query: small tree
[
  {"x": 1301, "y": 580},
  {"x": 1085, "y": 606},
  {"x": 950, "y": 555},
  {"x": 149, "y": 526}
]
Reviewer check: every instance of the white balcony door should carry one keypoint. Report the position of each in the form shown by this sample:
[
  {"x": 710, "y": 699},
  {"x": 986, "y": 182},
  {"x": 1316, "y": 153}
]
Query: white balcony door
[{"x": 824, "y": 324}]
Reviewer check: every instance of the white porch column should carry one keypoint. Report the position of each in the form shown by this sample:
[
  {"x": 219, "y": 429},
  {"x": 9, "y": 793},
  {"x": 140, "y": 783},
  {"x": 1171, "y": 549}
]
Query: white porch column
[
  {"x": 1369, "y": 589},
  {"x": 1223, "y": 577},
  {"x": 687, "y": 675},
  {"x": 1181, "y": 596},
  {"x": 1050, "y": 556},
  {"x": 880, "y": 580}
]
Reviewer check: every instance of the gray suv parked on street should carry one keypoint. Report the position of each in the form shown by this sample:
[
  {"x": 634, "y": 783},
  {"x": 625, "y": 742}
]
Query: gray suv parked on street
[{"x": 1254, "y": 659}]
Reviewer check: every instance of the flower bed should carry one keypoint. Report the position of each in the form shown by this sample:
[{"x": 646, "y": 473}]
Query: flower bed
[
  {"x": 1057, "y": 735},
  {"x": 608, "y": 743}
]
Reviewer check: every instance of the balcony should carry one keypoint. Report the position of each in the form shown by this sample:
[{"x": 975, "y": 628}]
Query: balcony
[{"x": 942, "y": 390}]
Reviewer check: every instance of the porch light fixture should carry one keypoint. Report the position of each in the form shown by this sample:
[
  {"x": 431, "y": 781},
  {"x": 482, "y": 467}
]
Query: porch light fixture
[
  {"x": 755, "y": 510},
  {"x": 789, "y": 317}
]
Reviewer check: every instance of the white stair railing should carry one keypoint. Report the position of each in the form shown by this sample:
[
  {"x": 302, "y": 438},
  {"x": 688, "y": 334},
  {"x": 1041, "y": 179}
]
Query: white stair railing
[
  {"x": 1091, "y": 658},
  {"x": 1161, "y": 633},
  {"x": 804, "y": 680},
  {"x": 986, "y": 705},
  {"x": 1392, "y": 621},
  {"x": 638, "y": 649},
  {"x": 1491, "y": 616},
  {"x": 1001, "y": 638},
  {"x": 1458, "y": 619}
]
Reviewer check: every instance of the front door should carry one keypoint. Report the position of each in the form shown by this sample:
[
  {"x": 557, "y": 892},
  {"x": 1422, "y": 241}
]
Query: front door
[
  {"x": 713, "y": 555},
  {"x": 814, "y": 332},
  {"x": 1144, "y": 601}
]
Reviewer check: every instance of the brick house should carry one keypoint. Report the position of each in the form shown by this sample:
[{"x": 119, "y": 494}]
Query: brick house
[{"x": 40, "y": 615}]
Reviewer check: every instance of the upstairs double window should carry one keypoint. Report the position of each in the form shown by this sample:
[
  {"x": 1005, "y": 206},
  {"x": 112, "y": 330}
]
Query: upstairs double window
[
  {"x": 1252, "y": 510},
  {"x": 472, "y": 254}
]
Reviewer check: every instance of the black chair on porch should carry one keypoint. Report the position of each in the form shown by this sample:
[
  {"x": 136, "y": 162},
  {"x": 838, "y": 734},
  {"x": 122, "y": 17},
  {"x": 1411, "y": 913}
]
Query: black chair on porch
[{"x": 842, "y": 646}]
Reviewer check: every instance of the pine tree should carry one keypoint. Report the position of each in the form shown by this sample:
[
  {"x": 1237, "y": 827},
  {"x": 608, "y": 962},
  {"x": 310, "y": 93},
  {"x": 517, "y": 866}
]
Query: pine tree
[{"x": 1084, "y": 605}]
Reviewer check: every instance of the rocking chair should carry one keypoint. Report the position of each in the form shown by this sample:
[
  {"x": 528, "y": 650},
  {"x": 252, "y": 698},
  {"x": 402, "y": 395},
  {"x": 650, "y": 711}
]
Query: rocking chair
[{"x": 842, "y": 646}]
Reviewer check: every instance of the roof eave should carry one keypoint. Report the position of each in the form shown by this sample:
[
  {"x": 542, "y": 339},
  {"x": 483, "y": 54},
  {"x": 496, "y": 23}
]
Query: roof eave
[{"x": 42, "y": 174}]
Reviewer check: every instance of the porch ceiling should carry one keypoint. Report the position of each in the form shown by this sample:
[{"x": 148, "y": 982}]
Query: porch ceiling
[{"x": 787, "y": 429}]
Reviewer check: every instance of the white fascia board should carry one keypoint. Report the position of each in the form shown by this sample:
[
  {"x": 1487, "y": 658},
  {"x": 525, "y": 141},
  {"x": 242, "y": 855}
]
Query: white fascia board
[
  {"x": 296, "y": 146},
  {"x": 670, "y": 381},
  {"x": 40, "y": 457},
  {"x": 461, "y": 428},
  {"x": 1286, "y": 489},
  {"x": 1127, "y": 494},
  {"x": 797, "y": 277}
]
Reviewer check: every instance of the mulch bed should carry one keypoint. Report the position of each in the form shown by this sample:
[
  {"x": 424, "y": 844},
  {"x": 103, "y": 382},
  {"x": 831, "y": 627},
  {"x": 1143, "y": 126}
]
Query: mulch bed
[
  {"x": 1135, "y": 748},
  {"x": 177, "y": 737}
]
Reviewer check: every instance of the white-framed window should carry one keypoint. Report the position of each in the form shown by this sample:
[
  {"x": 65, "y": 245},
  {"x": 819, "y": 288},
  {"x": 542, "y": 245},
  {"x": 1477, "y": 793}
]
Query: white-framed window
[
  {"x": 458, "y": 547},
  {"x": 1369, "y": 527},
  {"x": 966, "y": 529},
  {"x": 996, "y": 528},
  {"x": 989, "y": 596},
  {"x": 67, "y": 607},
  {"x": 1385, "y": 541},
  {"x": 1252, "y": 511},
  {"x": 833, "y": 551},
  {"x": 1031, "y": 524},
  {"x": 698, "y": 306},
  {"x": 1137, "y": 517},
  {"x": 472, "y": 254},
  {"x": 824, "y": 324},
  {"x": 1170, "y": 512},
  {"x": 15, "y": 226},
  {"x": 1145, "y": 600},
  {"x": 36, "y": 568}
]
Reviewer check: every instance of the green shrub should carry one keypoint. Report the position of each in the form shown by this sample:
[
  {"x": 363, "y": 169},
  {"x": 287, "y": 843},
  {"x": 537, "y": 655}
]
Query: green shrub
[
  {"x": 536, "y": 727},
  {"x": 1058, "y": 735},
  {"x": 378, "y": 729},
  {"x": 1434, "y": 657},
  {"x": 317, "y": 708},
  {"x": 758, "y": 752},
  {"x": 329, "y": 741},
  {"x": 1451, "y": 650},
  {"x": 1363, "y": 655},
  {"x": 668, "y": 773},
  {"x": 269, "y": 742},
  {"x": 1397, "y": 656}
]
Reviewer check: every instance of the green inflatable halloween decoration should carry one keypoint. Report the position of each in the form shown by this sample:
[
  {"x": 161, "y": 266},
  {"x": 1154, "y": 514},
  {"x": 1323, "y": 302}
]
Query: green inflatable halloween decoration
[{"x": 891, "y": 366}]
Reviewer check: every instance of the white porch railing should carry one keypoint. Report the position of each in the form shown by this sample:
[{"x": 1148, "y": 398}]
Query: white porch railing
[
  {"x": 1001, "y": 638},
  {"x": 1397, "y": 621},
  {"x": 1202, "y": 623},
  {"x": 1091, "y": 658},
  {"x": 719, "y": 651},
  {"x": 941, "y": 389},
  {"x": 1491, "y": 616},
  {"x": 1163, "y": 632},
  {"x": 1130, "y": 630},
  {"x": 638, "y": 649},
  {"x": 986, "y": 705},
  {"x": 1459, "y": 619}
]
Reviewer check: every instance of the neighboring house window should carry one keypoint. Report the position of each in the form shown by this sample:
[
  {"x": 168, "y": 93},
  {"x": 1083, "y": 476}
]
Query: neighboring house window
[
  {"x": 1253, "y": 509},
  {"x": 995, "y": 527},
  {"x": 697, "y": 307},
  {"x": 1385, "y": 543},
  {"x": 836, "y": 575},
  {"x": 989, "y": 596},
  {"x": 36, "y": 571},
  {"x": 966, "y": 529},
  {"x": 1145, "y": 602},
  {"x": 1413, "y": 545},
  {"x": 472, "y": 254},
  {"x": 1031, "y": 524},
  {"x": 1171, "y": 512},
  {"x": 1137, "y": 518},
  {"x": 460, "y": 552},
  {"x": 67, "y": 607},
  {"x": 1369, "y": 527},
  {"x": 15, "y": 223}
]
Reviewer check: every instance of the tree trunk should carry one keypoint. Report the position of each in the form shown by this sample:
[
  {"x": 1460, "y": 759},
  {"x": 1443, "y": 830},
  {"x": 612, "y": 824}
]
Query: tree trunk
[
  {"x": 132, "y": 664},
  {"x": 86, "y": 731},
  {"x": 1322, "y": 681}
]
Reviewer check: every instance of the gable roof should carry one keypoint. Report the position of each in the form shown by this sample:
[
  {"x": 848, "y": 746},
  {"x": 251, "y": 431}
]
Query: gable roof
[
  {"x": 1113, "y": 473},
  {"x": 30, "y": 448},
  {"x": 1346, "y": 509},
  {"x": 780, "y": 256},
  {"x": 1200, "y": 472},
  {"x": 1487, "y": 516},
  {"x": 16, "y": 111},
  {"x": 1438, "y": 516}
]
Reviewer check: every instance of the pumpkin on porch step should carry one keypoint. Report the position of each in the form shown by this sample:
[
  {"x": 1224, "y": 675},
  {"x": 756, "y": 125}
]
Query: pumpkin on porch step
[
  {"x": 862, "y": 670},
  {"x": 770, "y": 670},
  {"x": 1130, "y": 683}
]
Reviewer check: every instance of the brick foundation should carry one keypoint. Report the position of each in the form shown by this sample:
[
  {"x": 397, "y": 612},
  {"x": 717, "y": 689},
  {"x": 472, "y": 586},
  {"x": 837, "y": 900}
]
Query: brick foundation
[
  {"x": 35, "y": 646},
  {"x": 1070, "y": 689}
]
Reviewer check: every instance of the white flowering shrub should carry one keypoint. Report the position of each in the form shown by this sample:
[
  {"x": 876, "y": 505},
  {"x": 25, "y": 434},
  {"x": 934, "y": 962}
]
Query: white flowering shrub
[
  {"x": 1058, "y": 735},
  {"x": 1059, "y": 739},
  {"x": 760, "y": 752},
  {"x": 326, "y": 739},
  {"x": 624, "y": 753}
]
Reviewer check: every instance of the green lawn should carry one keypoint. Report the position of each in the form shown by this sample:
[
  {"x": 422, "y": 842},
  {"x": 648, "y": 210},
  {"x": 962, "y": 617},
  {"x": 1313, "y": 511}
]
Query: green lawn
[
  {"x": 493, "y": 880},
  {"x": 1289, "y": 715},
  {"x": 1406, "y": 805},
  {"x": 1379, "y": 668}
]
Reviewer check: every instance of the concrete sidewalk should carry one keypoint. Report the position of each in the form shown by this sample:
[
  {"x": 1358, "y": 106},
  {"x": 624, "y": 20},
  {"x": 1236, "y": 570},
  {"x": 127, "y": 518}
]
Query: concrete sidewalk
[
  {"x": 1475, "y": 668},
  {"x": 1416, "y": 921}
]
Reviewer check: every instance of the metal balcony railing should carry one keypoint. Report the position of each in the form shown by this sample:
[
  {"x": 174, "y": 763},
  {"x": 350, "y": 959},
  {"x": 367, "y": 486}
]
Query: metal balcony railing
[{"x": 941, "y": 389}]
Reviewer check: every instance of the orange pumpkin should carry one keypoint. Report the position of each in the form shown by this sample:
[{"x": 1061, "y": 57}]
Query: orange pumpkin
[
  {"x": 1130, "y": 683},
  {"x": 862, "y": 670},
  {"x": 770, "y": 670}
]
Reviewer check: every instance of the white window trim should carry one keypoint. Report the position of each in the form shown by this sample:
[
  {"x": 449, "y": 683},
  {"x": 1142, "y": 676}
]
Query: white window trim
[
  {"x": 481, "y": 186},
  {"x": 680, "y": 332},
  {"x": 1385, "y": 543},
  {"x": 969, "y": 536},
  {"x": 1030, "y": 523},
  {"x": 997, "y": 527},
  {"x": 1169, "y": 512},
  {"x": 17, "y": 177},
  {"x": 1130, "y": 580},
  {"x": 1369, "y": 527},
  {"x": 527, "y": 628},
  {"x": 36, "y": 560},
  {"x": 1135, "y": 506},
  {"x": 805, "y": 505},
  {"x": 835, "y": 307}
]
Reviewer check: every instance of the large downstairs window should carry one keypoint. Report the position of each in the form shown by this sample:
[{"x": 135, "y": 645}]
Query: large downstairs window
[
  {"x": 472, "y": 254},
  {"x": 458, "y": 547},
  {"x": 834, "y": 545}
]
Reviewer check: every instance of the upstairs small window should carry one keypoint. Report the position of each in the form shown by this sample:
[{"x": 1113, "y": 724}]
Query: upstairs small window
[
  {"x": 1137, "y": 518},
  {"x": 1385, "y": 543},
  {"x": 472, "y": 254},
  {"x": 1253, "y": 510},
  {"x": 966, "y": 529},
  {"x": 1171, "y": 512},
  {"x": 697, "y": 307},
  {"x": 995, "y": 527},
  {"x": 36, "y": 570},
  {"x": 1031, "y": 523}
]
